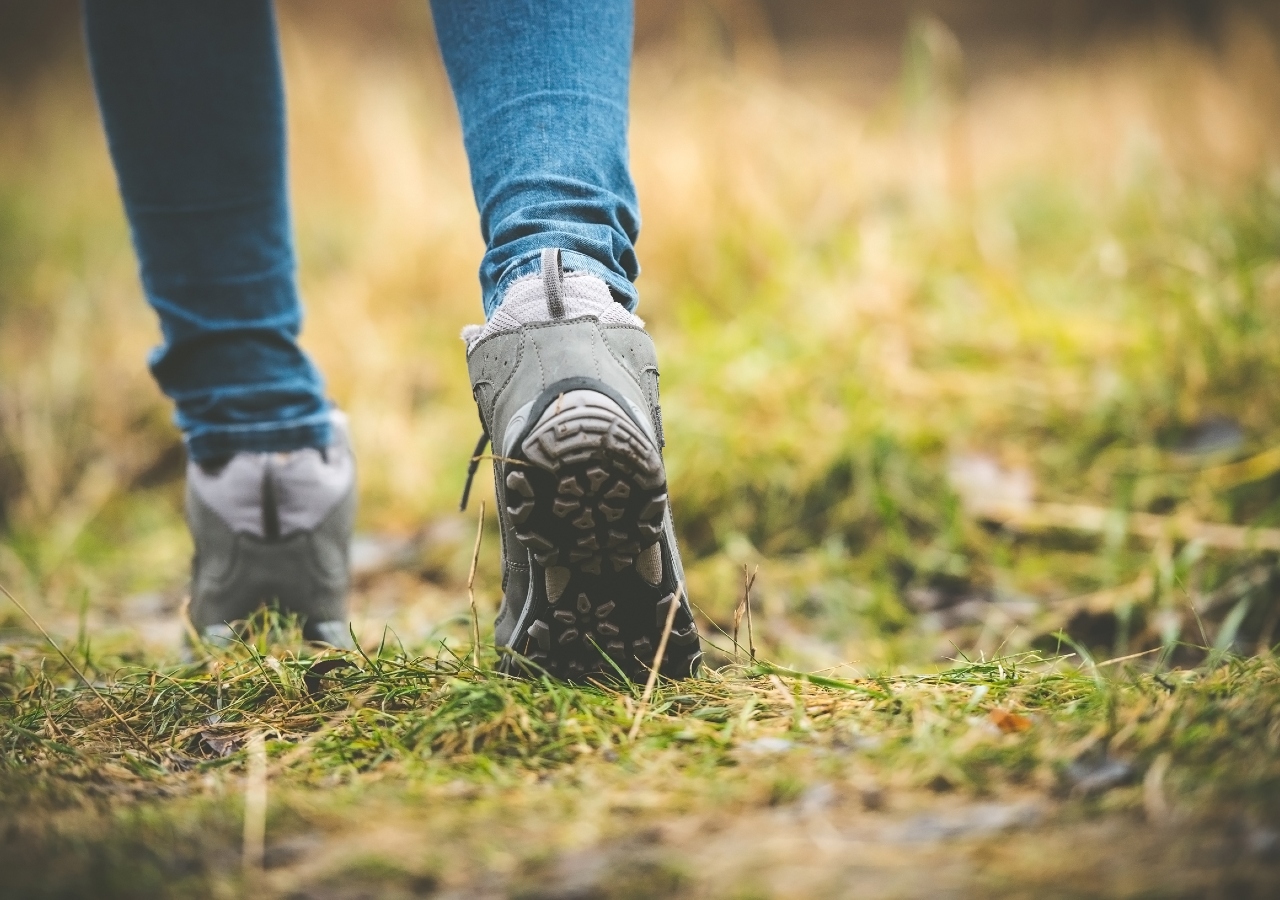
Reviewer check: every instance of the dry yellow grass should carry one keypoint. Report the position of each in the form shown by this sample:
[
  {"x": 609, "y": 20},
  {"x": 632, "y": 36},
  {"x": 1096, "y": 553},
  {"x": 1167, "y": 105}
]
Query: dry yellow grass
[
  {"x": 873, "y": 301},
  {"x": 951, "y": 268}
]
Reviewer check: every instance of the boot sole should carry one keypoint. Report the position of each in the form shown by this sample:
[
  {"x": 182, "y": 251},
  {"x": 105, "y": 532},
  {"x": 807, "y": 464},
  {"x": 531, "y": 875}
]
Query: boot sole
[{"x": 586, "y": 493}]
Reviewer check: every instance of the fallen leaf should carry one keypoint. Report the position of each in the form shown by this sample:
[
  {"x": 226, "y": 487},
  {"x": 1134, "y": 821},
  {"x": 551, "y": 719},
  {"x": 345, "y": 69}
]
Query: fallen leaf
[
  {"x": 1009, "y": 722},
  {"x": 221, "y": 744}
]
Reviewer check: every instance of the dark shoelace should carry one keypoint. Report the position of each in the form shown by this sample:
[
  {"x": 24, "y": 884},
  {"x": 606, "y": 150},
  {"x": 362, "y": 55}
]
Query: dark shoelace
[
  {"x": 553, "y": 285},
  {"x": 476, "y": 456}
]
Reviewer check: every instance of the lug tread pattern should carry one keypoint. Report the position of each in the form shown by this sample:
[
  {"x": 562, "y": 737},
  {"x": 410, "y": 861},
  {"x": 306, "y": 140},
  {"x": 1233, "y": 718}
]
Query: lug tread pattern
[{"x": 587, "y": 494}]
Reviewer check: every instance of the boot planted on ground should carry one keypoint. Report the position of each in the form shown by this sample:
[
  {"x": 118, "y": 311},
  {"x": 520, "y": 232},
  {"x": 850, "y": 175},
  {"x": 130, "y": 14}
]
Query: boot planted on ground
[
  {"x": 274, "y": 528},
  {"x": 566, "y": 380}
]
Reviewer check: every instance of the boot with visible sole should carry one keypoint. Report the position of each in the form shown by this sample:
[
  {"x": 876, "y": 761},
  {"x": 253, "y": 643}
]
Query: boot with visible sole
[
  {"x": 567, "y": 384},
  {"x": 273, "y": 528}
]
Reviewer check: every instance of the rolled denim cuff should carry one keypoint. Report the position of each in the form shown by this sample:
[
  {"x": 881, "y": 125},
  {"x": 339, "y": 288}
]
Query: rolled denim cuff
[{"x": 210, "y": 442}]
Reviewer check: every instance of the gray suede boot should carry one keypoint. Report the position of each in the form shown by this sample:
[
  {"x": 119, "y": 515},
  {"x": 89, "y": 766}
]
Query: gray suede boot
[
  {"x": 567, "y": 385},
  {"x": 274, "y": 528}
]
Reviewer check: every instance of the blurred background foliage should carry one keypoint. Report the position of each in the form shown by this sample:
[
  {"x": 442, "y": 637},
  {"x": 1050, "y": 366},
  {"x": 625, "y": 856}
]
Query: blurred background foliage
[{"x": 905, "y": 264}]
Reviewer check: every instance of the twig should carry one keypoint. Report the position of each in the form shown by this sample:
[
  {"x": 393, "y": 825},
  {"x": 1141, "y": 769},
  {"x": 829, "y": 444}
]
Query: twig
[
  {"x": 737, "y": 621},
  {"x": 1204, "y": 636},
  {"x": 740, "y": 609},
  {"x": 87, "y": 683},
  {"x": 746, "y": 599},
  {"x": 1108, "y": 600},
  {"x": 787, "y": 697},
  {"x": 1268, "y": 632},
  {"x": 507, "y": 460},
  {"x": 1255, "y": 468},
  {"x": 1153, "y": 799},
  {"x": 1098, "y": 519},
  {"x": 657, "y": 662},
  {"x": 1120, "y": 659},
  {"x": 712, "y": 622},
  {"x": 184, "y": 613},
  {"x": 255, "y": 808},
  {"x": 471, "y": 594},
  {"x": 768, "y": 668},
  {"x": 328, "y": 727}
]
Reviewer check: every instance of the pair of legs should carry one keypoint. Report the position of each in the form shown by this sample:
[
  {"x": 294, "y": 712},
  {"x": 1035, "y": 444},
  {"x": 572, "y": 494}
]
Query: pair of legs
[
  {"x": 193, "y": 103},
  {"x": 565, "y": 377}
]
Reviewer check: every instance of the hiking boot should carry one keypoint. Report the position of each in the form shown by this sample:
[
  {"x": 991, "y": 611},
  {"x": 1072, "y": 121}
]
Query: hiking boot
[
  {"x": 274, "y": 528},
  {"x": 567, "y": 384}
]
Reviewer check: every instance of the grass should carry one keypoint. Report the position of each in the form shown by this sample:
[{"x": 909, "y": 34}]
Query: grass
[
  {"x": 359, "y": 713},
  {"x": 489, "y": 753},
  {"x": 878, "y": 321}
]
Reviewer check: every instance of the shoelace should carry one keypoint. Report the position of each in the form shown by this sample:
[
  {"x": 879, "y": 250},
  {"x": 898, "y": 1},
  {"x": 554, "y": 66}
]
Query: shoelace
[
  {"x": 552, "y": 283},
  {"x": 476, "y": 456}
]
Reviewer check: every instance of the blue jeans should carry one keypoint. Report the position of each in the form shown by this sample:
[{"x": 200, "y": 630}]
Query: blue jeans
[{"x": 193, "y": 104}]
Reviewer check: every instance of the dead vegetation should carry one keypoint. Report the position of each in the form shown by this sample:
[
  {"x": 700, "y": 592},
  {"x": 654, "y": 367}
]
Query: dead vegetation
[{"x": 980, "y": 376}]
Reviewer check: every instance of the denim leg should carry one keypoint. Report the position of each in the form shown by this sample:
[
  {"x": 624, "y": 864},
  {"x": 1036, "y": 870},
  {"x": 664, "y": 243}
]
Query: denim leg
[
  {"x": 541, "y": 87},
  {"x": 193, "y": 104}
]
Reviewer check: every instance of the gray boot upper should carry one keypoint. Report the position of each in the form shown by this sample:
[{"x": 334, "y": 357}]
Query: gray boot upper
[
  {"x": 526, "y": 355},
  {"x": 274, "y": 527}
]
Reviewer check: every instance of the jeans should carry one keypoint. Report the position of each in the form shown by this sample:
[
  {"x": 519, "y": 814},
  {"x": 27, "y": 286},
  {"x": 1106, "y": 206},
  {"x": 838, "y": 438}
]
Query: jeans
[{"x": 192, "y": 100}]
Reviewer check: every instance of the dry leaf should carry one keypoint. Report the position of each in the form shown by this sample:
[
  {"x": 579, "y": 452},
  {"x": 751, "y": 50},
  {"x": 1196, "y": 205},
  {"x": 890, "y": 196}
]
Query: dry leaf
[
  {"x": 1009, "y": 722},
  {"x": 222, "y": 744}
]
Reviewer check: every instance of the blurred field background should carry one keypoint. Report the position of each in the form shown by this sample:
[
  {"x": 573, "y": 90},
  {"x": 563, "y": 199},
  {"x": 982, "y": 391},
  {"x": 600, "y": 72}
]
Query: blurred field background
[
  {"x": 967, "y": 314},
  {"x": 913, "y": 272}
]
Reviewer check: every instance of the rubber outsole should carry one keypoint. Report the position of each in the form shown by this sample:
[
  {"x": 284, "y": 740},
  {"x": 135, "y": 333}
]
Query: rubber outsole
[{"x": 586, "y": 494}]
